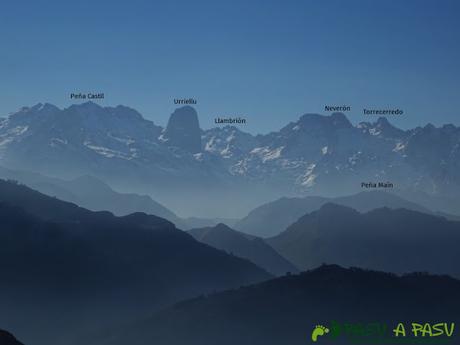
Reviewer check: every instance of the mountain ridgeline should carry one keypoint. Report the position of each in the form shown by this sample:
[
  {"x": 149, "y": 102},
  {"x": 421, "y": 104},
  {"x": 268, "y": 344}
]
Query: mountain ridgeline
[
  {"x": 391, "y": 240},
  {"x": 7, "y": 338},
  {"x": 272, "y": 218},
  {"x": 249, "y": 247},
  {"x": 94, "y": 254},
  {"x": 183, "y": 130},
  {"x": 89, "y": 270},
  {"x": 322, "y": 155},
  {"x": 287, "y": 309},
  {"x": 92, "y": 193}
]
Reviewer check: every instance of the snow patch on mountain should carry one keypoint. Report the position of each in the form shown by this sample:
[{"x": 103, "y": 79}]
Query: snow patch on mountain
[
  {"x": 293, "y": 158},
  {"x": 374, "y": 131},
  {"x": 109, "y": 153},
  {"x": 267, "y": 154},
  {"x": 54, "y": 142},
  {"x": 399, "y": 147},
  {"x": 308, "y": 179},
  {"x": 12, "y": 134},
  {"x": 126, "y": 141},
  {"x": 354, "y": 158}
]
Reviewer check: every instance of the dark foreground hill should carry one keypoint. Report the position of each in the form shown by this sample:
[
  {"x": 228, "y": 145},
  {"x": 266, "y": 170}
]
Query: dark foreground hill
[
  {"x": 7, "y": 338},
  {"x": 389, "y": 240},
  {"x": 66, "y": 270},
  {"x": 252, "y": 248},
  {"x": 286, "y": 310}
]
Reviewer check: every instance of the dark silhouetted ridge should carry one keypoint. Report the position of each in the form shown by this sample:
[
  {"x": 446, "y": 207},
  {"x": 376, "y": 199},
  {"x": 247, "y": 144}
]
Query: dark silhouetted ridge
[
  {"x": 286, "y": 310},
  {"x": 393, "y": 240},
  {"x": 249, "y": 247},
  {"x": 64, "y": 263},
  {"x": 272, "y": 218},
  {"x": 7, "y": 338}
]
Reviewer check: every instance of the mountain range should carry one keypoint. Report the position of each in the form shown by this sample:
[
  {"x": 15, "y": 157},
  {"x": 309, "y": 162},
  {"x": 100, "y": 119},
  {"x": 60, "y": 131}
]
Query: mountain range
[
  {"x": 87, "y": 270},
  {"x": 92, "y": 193},
  {"x": 99, "y": 276},
  {"x": 274, "y": 217},
  {"x": 98, "y": 245},
  {"x": 249, "y": 247},
  {"x": 187, "y": 168},
  {"x": 391, "y": 240},
  {"x": 287, "y": 309}
]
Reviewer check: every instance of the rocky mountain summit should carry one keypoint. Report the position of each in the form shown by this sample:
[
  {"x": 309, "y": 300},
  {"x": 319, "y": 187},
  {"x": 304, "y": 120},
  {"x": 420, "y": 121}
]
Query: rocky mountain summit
[
  {"x": 183, "y": 130},
  {"x": 317, "y": 154}
]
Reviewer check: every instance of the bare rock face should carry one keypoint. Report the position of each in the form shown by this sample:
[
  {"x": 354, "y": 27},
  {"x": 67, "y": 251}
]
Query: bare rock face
[{"x": 183, "y": 130}]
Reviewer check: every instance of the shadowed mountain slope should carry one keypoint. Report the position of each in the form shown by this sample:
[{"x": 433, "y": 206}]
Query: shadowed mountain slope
[
  {"x": 272, "y": 218},
  {"x": 62, "y": 262},
  {"x": 252, "y": 248},
  {"x": 286, "y": 310},
  {"x": 315, "y": 155},
  {"x": 7, "y": 338},
  {"x": 385, "y": 239}
]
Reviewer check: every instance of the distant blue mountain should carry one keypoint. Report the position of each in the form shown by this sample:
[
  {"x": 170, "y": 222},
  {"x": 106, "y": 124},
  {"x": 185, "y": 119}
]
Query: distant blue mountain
[
  {"x": 249, "y": 247},
  {"x": 274, "y": 217},
  {"x": 88, "y": 270},
  {"x": 188, "y": 168},
  {"x": 391, "y": 240}
]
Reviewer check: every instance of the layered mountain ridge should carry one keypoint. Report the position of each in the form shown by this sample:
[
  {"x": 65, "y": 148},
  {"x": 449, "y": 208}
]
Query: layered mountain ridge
[
  {"x": 317, "y": 154},
  {"x": 89, "y": 270},
  {"x": 271, "y": 218},
  {"x": 286, "y": 310},
  {"x": 245, "y": 246},
  {"x": 392, "y": 240}
]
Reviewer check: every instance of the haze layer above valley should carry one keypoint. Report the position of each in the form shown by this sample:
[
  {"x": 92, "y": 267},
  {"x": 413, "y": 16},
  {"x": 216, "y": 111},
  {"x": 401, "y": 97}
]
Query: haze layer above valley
[{"x": 225, "y": 171}]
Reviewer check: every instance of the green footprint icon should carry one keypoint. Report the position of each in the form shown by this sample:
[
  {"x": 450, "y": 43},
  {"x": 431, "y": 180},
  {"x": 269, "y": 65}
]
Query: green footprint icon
[{"x": 318, "y": 331}]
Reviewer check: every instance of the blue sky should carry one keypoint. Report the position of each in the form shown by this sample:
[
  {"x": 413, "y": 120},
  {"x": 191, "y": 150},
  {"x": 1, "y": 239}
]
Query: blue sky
[{"x": 270, "y": 61}]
